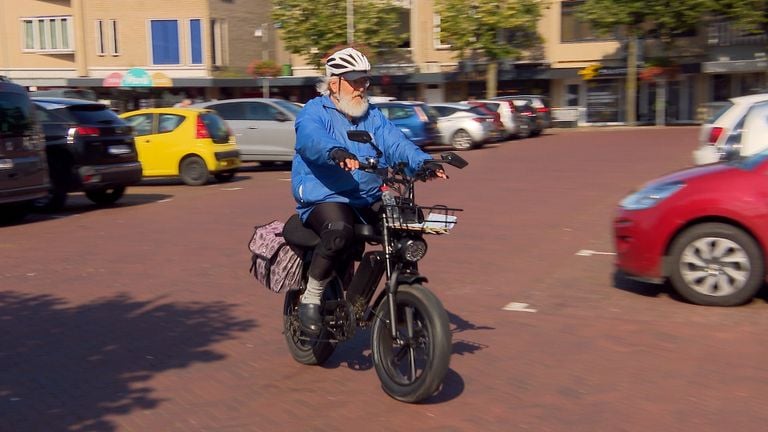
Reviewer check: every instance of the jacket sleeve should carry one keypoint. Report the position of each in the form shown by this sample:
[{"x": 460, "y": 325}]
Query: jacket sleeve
[
  {"x": 313, "y": 142},
  {"x": 395, "y": 146}
]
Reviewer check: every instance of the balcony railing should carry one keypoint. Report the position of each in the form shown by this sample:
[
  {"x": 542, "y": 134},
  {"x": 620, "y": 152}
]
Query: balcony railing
[{"x": 725, "y": 34}]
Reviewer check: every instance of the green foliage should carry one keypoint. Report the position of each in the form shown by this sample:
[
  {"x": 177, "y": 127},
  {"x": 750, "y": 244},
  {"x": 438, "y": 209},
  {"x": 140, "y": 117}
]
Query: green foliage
[
  {"x": 494, "y": 29},
  {"x": 664, "y": 19},
  {"x": 313, "y": 28}
]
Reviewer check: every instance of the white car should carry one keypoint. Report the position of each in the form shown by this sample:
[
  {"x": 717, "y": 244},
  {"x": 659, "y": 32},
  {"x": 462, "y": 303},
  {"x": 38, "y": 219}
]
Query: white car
[
  {"x": 263, "y": 127},
  {"x": 739, "y": 129},
  {"x": 464, "y": 126},
  {"x": 515, "y": 124}
]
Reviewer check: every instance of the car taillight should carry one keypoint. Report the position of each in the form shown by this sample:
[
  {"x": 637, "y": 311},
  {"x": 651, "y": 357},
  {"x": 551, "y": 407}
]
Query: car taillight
[
  {"x": 714, "y": 135},
  {"x": 87, "y": 131},
  {"x": 480, "y": 119},
  {"x": 201, "y": 129},
  {"x": 423, "y": 117},
  {"x": 542, "y": 109}
]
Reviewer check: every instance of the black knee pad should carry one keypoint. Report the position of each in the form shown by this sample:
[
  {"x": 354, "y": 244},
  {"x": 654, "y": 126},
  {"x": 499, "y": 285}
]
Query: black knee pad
[{"x": 335, "y": 238}]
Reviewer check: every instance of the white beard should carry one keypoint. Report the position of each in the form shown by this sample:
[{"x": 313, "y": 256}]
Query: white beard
[{"x": 352, "y": 106}]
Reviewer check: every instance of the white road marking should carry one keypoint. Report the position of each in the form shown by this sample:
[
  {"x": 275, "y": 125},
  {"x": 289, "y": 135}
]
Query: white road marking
[
  {"x": 587, "y": 252},
  {"x": 518, "y": 307},
  {"x": 285, "y": 179},
  {"x": 231, "y": 188},
  {"x": 166, "y": 200}
]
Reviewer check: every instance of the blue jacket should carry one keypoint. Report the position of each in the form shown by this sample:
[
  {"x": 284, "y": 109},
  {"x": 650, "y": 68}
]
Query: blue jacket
[{"x": 320, "y": 127}]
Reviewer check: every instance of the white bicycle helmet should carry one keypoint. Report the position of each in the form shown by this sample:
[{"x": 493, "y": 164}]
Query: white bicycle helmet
[{"x": 348, "y": 61}]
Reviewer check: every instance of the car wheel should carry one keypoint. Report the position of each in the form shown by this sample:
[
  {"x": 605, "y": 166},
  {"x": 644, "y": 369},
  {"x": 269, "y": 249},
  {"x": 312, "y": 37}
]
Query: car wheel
[
  {"x": 224, "y": 176},
  {"x": 461, "y": 140},
  {"x": 715, "y": 264},
  {"x": 524, "y": 131},
  {"x": 193, "y": 171},
  {"x": 106, "y": 196}
]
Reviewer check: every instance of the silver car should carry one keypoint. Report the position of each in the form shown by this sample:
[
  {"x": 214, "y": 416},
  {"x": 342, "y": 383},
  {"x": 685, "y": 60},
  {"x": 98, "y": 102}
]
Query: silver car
[
  {"x": 464, "y": 126},
  {"x": 263, "y": 127}
]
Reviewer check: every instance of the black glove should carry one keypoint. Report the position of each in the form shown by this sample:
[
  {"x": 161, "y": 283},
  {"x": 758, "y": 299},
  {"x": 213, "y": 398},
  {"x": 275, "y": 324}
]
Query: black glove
[
  {"x": 430, "y": 169},
  {"x": 340, "y": 155}
]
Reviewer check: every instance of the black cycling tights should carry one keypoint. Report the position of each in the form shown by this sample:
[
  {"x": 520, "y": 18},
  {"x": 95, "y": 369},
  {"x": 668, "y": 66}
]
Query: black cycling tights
[{"x": 334, "y": 223}]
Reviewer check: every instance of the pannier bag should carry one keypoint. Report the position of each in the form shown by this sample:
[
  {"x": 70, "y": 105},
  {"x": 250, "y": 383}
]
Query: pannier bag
[{"x": 273, "y": 262}]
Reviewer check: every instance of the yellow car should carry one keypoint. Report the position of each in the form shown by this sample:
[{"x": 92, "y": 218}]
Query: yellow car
[{"x": 187, "y": 142}]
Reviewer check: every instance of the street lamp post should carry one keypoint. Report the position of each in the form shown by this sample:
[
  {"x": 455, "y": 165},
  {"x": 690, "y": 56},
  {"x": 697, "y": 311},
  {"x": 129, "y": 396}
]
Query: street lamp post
[{"x": 350, "y": 23}]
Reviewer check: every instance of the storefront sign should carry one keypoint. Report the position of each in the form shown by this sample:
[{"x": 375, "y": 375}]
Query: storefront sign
[{"x": 137, "y": 77}]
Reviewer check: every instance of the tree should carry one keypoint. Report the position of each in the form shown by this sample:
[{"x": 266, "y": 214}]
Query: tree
[
  {"x": 660, "y": 19},
  {"x": 313, "y": 28},
  {"x": 490, "y": 30}
]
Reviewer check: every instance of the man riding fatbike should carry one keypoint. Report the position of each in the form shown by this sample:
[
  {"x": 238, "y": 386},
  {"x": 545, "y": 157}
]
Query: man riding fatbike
[{"x": 331, "y": 192}]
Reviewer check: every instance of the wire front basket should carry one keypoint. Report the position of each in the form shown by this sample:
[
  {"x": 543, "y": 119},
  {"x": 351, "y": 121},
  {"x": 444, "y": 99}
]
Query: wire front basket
[{"x": 437, "y": 219}]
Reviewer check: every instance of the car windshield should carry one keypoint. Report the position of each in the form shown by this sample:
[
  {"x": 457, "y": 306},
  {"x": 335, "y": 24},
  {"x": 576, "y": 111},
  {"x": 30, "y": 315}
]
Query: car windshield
[
  {"x": 432, "y": 113},
  {"x": 719, "y": 109},
  {"x": 94, "y": 114},
  {"x": 289, "y": 106},
  {"x": 15, "y": 116},
  {"x": 753, "y": 161}
]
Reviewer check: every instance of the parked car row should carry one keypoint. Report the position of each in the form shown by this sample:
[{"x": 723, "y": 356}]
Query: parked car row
[{"x": 89, "y": 148}]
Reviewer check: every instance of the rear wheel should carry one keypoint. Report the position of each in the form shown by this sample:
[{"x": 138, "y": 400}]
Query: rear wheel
[
  {"x": 305, "y": 349},
  {"x": 193, "y": 171},
  {"x": 106, "y": 196},
  {"x": 412, "y": 367},
  {"x": 461, "y": 140}
]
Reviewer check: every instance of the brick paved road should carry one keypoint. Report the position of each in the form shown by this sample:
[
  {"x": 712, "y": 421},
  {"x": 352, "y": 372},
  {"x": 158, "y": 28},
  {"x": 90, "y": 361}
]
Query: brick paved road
[{"x": 142, "y": 317}]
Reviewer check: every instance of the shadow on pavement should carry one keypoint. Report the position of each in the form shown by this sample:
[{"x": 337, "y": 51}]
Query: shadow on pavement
[
  {"x": 624, "y": 282},
  {"x": 67, "y": 368}
]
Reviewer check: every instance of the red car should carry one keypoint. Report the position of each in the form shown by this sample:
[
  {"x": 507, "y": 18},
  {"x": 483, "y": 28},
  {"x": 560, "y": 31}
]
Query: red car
[{"x": 704, "y": 229}]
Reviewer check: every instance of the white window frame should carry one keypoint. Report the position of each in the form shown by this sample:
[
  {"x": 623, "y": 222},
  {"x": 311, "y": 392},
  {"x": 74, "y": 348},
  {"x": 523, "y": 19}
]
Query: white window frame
[
  {"x": 219, "y": 50},
  {"x": 438, "y": 44},
  {"x": 101, "y": 47},
  {"x": 43, "y": 39},
  {"x": 114, "y": 39}
]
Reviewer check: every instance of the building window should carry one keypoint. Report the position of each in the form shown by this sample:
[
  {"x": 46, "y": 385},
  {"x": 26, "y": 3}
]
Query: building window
[
  {"x": 165, "y": 42},
  {"x": 114, "y": 43},
  {"x": 100, "y": 49},
  {"x": 439, "y": 44},
  {"x": 574, "y": 30},
  {"x": 48, "y": 34},
  {"x": 218, "y": 42},
  {"x": 195, "y": 41}
]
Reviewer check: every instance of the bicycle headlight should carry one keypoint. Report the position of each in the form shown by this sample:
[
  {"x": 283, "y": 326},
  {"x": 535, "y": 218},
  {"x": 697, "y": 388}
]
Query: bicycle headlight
[{"x": 412, "y": 249}]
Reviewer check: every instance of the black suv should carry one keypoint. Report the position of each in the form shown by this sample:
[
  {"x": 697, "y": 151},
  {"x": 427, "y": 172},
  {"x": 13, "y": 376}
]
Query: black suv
[
  {"x": 23, "y": 170},
  {"x": 89, "y": 149}
]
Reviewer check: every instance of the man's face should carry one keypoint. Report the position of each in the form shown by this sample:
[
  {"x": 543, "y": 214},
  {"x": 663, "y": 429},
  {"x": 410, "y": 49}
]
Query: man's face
[{"x": 351, "y": 95}]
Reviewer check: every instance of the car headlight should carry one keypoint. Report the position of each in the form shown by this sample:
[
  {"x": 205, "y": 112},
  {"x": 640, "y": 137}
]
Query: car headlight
[{"x": 649, "y": 196}]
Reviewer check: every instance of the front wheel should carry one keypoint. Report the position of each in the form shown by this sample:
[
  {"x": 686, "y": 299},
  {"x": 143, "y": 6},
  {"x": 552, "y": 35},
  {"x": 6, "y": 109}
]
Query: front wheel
[
  {"x": 715, "y": 264},
  {"x": 412, "y": 367},
  {"x": 461, "y": 140},
  {"x": 106, "y": 196}
]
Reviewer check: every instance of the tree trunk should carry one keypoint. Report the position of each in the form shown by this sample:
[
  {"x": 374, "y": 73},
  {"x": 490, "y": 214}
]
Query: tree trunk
[
  {"x": 491, "y": 79},
  {"x": 631, "y": 87}
]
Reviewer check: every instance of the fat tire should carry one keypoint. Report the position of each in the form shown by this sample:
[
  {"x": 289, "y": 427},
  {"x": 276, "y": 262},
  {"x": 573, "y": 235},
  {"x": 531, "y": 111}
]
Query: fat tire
[
  {"x": 106, "y": 196},
  {"x": 193, "y": 171},
  {"x": 309, "y": 352},
  {"x": 736, "y": 235},
  {"x": 433, "y": 318}
]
